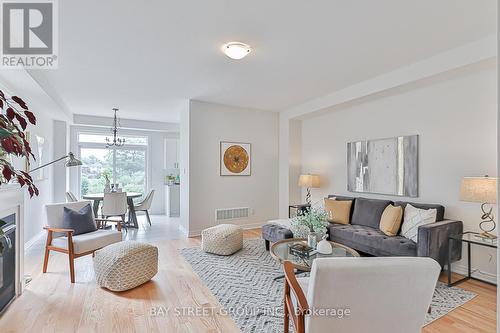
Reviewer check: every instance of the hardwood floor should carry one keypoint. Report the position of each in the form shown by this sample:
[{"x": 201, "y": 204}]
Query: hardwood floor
[{"x": 52, "y": 304}]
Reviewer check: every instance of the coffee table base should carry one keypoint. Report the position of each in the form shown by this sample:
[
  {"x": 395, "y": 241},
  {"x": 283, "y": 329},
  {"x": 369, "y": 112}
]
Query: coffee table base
[{"x": 297, "y": 272}]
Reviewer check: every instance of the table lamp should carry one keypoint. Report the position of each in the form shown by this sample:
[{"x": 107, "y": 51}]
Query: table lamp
[
  {"x": 309, "y": 181},
  {"x": 483, "y": 190}
]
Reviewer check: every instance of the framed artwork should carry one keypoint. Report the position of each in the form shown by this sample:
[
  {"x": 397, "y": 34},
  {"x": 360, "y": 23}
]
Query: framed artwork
[
  {"x": 384, "y": 166},
  {"x": 235, "y": 159}
]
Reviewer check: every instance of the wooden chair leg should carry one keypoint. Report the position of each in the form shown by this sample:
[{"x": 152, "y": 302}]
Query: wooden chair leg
[
  {"x": 71, "y": 256},
  {"x": 286, "y": 317},
  {"x": 47, "y": 251},
  {"x": 46, "y": 259},
  {"x": 147, "y": 216},
  {"x": 72, "y": 268}
]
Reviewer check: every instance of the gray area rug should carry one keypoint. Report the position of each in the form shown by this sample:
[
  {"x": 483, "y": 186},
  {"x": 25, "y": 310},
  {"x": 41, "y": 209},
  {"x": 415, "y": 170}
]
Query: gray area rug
[{"x": 243, "y": 283}]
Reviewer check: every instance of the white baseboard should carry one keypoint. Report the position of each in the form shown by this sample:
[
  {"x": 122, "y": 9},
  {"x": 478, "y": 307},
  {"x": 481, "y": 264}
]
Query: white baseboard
[
  {"x": 33, "y": 240},
  {"x": 184, "y": 231},
  {"x": 196, "y": 233},
  {"x": 462, "y": 270}
]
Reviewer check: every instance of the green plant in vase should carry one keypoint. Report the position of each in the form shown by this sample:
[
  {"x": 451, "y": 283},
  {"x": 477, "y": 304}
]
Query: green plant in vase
[{"x": 313, "y": 221}]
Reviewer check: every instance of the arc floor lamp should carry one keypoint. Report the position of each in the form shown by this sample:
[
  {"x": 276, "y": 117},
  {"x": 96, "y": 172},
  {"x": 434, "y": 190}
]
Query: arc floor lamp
[{"x": 72, "y": 161}]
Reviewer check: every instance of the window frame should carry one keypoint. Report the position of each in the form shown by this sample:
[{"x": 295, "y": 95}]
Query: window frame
[{"x": 93, "y": 145}]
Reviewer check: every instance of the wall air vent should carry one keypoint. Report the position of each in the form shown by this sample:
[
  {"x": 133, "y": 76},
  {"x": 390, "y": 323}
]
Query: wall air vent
[{"x": 231, "y": 213}]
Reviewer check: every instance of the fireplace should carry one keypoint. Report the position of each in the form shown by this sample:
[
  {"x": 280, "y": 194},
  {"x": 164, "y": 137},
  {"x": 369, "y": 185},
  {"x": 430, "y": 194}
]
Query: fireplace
[{"x": 8, "y": 261}]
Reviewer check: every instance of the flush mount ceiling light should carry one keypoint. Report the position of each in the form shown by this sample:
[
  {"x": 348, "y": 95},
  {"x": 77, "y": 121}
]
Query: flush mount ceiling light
[{"x": 236, "y": 50}]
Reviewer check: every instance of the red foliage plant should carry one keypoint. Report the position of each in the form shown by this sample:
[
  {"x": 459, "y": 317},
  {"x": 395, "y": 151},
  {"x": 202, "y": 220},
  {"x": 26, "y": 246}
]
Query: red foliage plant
[{"x": 14, "y": 118}]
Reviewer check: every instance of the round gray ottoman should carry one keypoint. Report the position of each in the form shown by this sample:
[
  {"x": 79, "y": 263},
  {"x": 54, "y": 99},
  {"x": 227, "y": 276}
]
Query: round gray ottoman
[
  {"x": 223, "y": 239},
  {"x": 125, "y": 265}
]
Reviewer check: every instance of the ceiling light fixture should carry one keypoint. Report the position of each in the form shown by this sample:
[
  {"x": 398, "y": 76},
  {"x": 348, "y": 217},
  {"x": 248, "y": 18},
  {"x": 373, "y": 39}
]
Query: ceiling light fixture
[
  {"x": 116, "y": 141},
  {"x": 236, "y": 50}
]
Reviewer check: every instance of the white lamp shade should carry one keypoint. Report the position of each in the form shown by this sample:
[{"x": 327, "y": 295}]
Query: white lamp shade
[
  {"x": 479, "y": 189},
  {"x": 311, "y": 181}
]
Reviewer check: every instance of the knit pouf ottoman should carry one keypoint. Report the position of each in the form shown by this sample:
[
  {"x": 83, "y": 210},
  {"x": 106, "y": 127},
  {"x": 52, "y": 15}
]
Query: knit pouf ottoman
[
  {"x": 125, "y": 265},
  {"x": 223, "y": 239}
]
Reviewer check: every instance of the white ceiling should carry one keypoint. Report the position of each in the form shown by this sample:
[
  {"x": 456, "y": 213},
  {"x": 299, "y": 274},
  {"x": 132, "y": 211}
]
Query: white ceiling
[{"x": 147, "y": 57}]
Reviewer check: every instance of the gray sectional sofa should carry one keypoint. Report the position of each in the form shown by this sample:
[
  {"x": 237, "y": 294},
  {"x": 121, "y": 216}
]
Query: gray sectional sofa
[{"x": 363, "y": 233}]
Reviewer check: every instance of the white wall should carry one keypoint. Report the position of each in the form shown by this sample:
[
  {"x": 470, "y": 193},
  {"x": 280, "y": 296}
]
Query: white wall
[
  {"x": 455, "y": 116},
  {"x": 34, "y": 207},
  {"x": 184, "y": 166},
  {"x": 210, "y": 124},
  {"x": 295, "y": 160},
  {"x": 60, "y": 149}
]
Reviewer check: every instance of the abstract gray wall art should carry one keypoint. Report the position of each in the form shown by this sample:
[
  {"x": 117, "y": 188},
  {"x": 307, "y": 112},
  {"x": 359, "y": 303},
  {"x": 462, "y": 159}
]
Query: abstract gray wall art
[{"x": 384, "y": 166}]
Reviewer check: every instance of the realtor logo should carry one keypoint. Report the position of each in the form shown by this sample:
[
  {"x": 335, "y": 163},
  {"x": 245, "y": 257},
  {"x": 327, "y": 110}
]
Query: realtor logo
[{"x": 29, "y": 34}]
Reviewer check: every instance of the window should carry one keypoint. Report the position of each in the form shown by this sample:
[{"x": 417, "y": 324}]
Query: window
[{"x": 125, "y": 165}]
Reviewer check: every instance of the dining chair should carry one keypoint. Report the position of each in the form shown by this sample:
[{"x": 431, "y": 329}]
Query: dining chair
[
  {"x": 115, "y": 204},
  {"x": 145, "y": 205},
  {"x": 70, "y": 197},
  {"x": 366, "y": 294},
  {"x": 62, "y": 240}
]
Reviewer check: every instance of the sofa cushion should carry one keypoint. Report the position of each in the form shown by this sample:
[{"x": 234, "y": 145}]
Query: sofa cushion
[
  {"x": 390, "y": 222},
  {"x": 89, "y": 241},
  {"x": 371, "y": 240},
  {"x": 344, "y": 198},
  {"x": 415, "y": 218},
  {"x": 368, "y": 212},
  {"x": 439, "y": 208},
  {"x": 81, "y": 221},
  {"x": 338, "y": 211}
]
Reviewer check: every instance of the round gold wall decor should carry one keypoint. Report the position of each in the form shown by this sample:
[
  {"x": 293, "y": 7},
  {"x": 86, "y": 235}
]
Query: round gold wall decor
[{"x": 236, "y": 159}]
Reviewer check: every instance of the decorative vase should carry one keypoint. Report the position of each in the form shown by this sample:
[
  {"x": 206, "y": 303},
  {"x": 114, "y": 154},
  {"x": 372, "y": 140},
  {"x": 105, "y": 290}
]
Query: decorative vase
[
  {"x": 107, "y": 186},
  {"x": 324, "y": 246},
  {"x": 312, "y": 239}
]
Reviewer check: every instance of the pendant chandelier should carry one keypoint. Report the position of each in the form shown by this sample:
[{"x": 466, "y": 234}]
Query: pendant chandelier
[{"x": 117, "y": 142}]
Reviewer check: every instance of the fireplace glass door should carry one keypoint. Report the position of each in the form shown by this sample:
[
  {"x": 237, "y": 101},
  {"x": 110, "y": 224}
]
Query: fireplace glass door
[{"x": 8, "y": 262}]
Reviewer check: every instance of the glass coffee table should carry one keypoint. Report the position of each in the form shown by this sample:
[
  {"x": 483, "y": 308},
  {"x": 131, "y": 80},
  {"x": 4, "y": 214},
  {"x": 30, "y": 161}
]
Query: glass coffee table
[{"x": 281, "y": 252}]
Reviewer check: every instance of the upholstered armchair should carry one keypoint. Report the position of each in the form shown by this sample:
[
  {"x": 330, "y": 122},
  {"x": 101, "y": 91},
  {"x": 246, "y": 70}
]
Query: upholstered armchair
[
  {"x": 376, "y": 295},
  {"x": 62, "y": 240}
]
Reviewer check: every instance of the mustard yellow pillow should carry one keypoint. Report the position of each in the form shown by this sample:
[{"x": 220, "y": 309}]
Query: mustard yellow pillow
[
  {"x": 338, "y": 211},
  {"x": 390, "y": 221}
]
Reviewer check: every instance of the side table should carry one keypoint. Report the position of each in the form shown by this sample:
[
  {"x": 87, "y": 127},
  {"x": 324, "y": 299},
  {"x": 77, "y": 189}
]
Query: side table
[
  {"x": 294, "y": 210},
  {"x": 470, "y": 238}
]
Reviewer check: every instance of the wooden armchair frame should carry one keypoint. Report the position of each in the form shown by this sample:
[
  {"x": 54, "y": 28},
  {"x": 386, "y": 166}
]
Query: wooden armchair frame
[
  {"x": 297, "y": 315},
  {"x": 70, "y": 251}
]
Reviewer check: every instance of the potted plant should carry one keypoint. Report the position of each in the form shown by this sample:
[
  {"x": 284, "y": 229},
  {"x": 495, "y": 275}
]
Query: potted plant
[
  {"x": 14, "y": 118},
  {"x": 310, "y": 225}
]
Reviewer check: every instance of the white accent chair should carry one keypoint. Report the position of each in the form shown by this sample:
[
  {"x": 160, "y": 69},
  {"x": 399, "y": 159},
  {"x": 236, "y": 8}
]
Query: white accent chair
[
  {"x": 70, "y": 197},
  {"x": 115, "y": 204},
  {"x": 386, "y": 294},
  {"x": 145, "y": 205},
  {"x": 62, "y": 240}
]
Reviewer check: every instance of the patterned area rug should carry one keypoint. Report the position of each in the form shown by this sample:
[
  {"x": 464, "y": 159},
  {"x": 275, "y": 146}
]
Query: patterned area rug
[{"x": 243, "y": 283}]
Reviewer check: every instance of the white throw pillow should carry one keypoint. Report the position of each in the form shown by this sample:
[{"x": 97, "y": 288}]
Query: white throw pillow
[{"x": 414, "y": 218}]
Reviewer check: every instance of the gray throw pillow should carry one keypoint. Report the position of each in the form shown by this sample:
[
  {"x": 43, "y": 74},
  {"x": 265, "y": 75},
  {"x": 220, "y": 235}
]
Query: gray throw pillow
[{"x": 81, "y": 221}]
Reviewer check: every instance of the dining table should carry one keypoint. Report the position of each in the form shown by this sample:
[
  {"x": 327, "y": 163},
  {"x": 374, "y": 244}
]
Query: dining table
[{"x": 96, "y": 198}]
